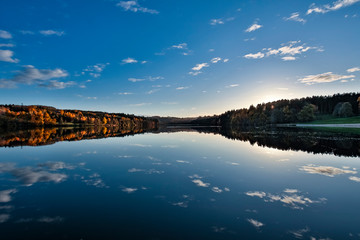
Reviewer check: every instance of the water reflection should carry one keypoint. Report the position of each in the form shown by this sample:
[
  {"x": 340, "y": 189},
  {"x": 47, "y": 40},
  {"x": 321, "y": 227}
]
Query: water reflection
[
  {"x": 296, "y": 139},
  {"x": 29, "y": 175},
  {"x": 326, "y": 170},
  {"x": 307, "y": 140},
  {"x": 46, "y": 136},
  {"x": 183, "y": 185},
  {"x": 292, "y": 198}
]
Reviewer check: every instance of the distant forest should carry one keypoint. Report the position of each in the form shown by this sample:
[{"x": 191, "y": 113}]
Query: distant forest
[
  {"x": 276, "y": 112},
  {"x": 19, "y": 117},
  {"x": 288, "y": 111}
]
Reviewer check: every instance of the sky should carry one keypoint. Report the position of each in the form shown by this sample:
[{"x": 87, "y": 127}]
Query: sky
[{"x": 176, "y": 58}]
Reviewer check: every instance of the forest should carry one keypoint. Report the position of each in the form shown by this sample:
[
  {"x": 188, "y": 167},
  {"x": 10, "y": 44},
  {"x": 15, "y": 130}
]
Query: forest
[
  {"x": 23, "y": 117},
  {"x": 288, "y": 111}
]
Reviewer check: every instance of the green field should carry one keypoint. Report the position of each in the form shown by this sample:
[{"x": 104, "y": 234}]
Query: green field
[
  {"x": 337, "y": 130},
  {"x": 349, "y": 120}
]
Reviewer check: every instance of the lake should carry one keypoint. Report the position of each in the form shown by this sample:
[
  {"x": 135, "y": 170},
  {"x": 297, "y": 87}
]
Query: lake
[{"x": 181, "y": 184}]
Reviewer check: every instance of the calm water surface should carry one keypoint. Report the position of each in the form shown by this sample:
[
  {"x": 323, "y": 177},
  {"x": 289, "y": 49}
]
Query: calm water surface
[{"x": 182, "y": 185}]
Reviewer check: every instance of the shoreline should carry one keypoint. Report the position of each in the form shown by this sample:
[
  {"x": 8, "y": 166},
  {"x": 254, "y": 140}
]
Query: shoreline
[{"x": 349, "y": 125}]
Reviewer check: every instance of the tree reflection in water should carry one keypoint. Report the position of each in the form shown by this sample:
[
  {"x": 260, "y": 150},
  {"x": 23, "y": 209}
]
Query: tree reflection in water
[{"x": 307, "y": 140}]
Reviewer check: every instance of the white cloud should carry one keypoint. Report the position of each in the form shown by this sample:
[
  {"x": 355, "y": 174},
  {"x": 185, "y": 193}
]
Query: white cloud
[
  {"x": 255, "y": 223},
  {"x": 54, "y": 84},
  {"x": 354, "y": 69},
  {"x": 216, "y": 59},
  {"x": 136, "y": 79},
  {"x": 195, "y": 176},
  {"x": 129, "y": 190},
  {"x": 180, "y": 46},
  {"x": 7, "y": 45},
  {"x": 95, "y": 181},
  {"x": 96, "y": 68},
  {"x": 146, "y": 171},
  {"x": 325, "y": 170},
  {"x": 140, "y": 104},
  {"x": 155, "y": 78},
  {"x": 199, "y": 66},
  {"x": 30, "y": 73},
  {"x": 256, "y": 194},
  {"x": 30, "y": 176},
  {"x": 249, "y": 39},
  {"x": 253, "y": 27},
  {"x": 183, "y": 47},
  {"x": 287, "y": 50},
  {"x": 200, "y": 183},
  {"x": 254, "y": 55},
  {"x": 195, "y": 73},
  {"x": 331, "y": 7},
  {"x": 300, "y": 233},
  {"x": 53, "y": 166},
  {"x": 183, "y": 204},
  {"x": 134, "y": 6},
  {"x": 5, "y": 195},
  {"x": 179, "y": 161},
  {"x": 149, "y": 78},
  {"x": 181, "y": 88},
  {"x": 5, "y": 34},
  {"x": 95, "y": 75},
  {"x": 153, "y": 91},
  {"x": 232, "y": 85},
  {"x": 295, "y": 17},
  {"x": 26, "y": 32},
  {"x": 125, "y": 93},
  {"x": 216, "y": 189},
  {"x": 42, "y": 77},
  {"x": 323, "y": 78},
  {"x": 7, "y": 56},
  {"x": 290, "y": 190},
  {"x": 129, "y": 60},
  {"x": 225, "y": 60},
  {"x": 133, "y": 170},
  {"x": 355, "y": 179},
  {"x": 4, "y": 218},
  {"x": 4, "y": 83},
  {"x": 216, "y": 21},
  {"x": 51, "y": 32},
  {"x": 220, "y": 20},
  {"x": 288, "y": 58},
  {"x": 290, "y": 49},
  {"x": 289, "y": 197}
]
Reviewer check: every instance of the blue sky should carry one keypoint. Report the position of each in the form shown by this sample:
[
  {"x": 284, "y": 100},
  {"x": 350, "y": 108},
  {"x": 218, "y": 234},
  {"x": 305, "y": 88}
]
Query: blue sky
[{"x": 176, "y": 58}]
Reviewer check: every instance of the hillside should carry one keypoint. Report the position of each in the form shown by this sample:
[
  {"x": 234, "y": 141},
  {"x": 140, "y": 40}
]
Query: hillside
[
  {"x": 21, "y": 117},
  {"x": 289, "y": 111}
]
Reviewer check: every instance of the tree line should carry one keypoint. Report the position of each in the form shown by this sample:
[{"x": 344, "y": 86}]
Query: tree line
[
  {"x": 18, "y": 116},
  {"x": 288, "y": 111}
]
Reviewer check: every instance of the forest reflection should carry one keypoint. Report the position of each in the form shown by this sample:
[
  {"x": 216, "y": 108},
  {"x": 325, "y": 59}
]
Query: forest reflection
[
  {"x": 46, "y": 136},
  {"x": 306, "y": 140}
]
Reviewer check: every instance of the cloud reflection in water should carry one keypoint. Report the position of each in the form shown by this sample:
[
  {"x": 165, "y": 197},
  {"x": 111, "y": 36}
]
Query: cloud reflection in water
[
  {"x": 31, "y": 175},
  {"x": 290, "y": 197}
]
